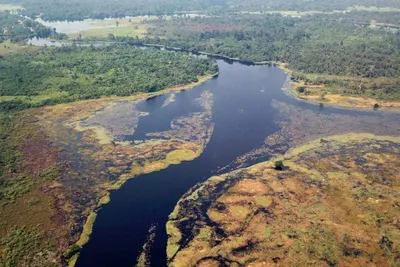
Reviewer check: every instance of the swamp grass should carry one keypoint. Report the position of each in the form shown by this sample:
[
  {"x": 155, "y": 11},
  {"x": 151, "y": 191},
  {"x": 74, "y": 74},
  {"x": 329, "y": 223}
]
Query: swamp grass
[{"x": 315, "y": 210}]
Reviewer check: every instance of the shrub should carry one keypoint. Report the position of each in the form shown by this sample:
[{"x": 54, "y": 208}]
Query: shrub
[
  {"x": 278, "y": 165},
  {"x": 72, "y": 250}
]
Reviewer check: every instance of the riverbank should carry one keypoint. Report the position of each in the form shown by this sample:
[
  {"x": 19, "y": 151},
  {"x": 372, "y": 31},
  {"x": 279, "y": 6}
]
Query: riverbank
[
  {"x": 318, "y": 94},
  {"x": 179, "y": 152},
  {"x": 247, "y": 120},
  {"x": 321, "y": 95},
  {"x": 166, "y": 152},
  {"x": 68, "y": 174}
]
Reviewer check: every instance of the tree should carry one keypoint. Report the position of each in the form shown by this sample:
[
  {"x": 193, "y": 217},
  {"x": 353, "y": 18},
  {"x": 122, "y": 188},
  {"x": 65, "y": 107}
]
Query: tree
[{"x": 279, "y": 165}]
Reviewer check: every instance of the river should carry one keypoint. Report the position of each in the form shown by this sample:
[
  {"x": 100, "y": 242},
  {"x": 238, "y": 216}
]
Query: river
[{"x": 243, "y": 114}]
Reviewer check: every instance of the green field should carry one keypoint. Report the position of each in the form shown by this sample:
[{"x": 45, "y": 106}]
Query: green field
[
  {"x": 9, "y": 7},
  {"x": 118, "y": 27},
  {"x": 7, "y": 47},
  {"x": 117, "y": 31}
]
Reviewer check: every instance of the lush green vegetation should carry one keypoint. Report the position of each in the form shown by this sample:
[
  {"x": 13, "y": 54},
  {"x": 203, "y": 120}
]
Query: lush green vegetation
[
  {"x": 19, "y": 242},
  {"x": 367, "y": 59},
  {"x": 80, "y": 9},
  {"x": 68, "y": 74},
  {"x": 8, "y": 156},
  {"x": 330, "y": 44},
  {"x": 18, "y": 28}
]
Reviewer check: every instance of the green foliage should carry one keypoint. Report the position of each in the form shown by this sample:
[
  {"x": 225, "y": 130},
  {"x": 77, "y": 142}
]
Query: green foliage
[
  {"x": 81, "y": 9},
  {"x": 19, "y": 29},
  {"x": 376, "y": 106},
  {"x": 367, "y": 59},
  {"x": 68, "y": 74},
  {"x": 72, "y": 250},
  {"x": 8, "y": 156},
  {"x": 12, "y": 185},
  {"x": 329, "y": 44},
  {"x": 278, "y": 165},
  {"x": 50, "y": 173},
  {"x": 18, "y": 243},
  {"x": 10, "y": 189}
]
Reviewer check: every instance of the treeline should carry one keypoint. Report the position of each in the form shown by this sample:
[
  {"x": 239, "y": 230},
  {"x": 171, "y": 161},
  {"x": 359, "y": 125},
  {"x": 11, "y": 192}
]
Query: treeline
[
  {"x": 364, "y": 17},
  {"x": 72, "y": 73},
  {"x": 308, "y": 5},
  {"x": 53, "y": 10},
  {"x": 17, "y": 28},
  {"x": 314, "y": 44},
  {"x": 322, "y": 44}
]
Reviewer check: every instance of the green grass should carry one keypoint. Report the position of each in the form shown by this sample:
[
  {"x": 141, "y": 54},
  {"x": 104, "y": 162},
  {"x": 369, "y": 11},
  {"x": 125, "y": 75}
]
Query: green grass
[
  {"x": 34, "y": 99},
  {"x": 268, "y": 232},
  {"x": 7, "y": 47},
  {"x": 177, "y": 156},
  {"x": 87, "y": 229},
  {"x": 130, "y": 30},
  {"x": 264, "y": 201}
]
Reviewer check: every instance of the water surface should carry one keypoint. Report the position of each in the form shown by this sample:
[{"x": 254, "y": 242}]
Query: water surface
[{"x": 243, "y": 116}]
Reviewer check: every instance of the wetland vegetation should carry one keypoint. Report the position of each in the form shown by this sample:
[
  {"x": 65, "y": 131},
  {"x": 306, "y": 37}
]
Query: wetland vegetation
[
  {"x": 58, "y": 174},
  {"x": 79, "y": 120},
  {"x": 48, "y": 156},
  {"x": 334, "y": 204}
]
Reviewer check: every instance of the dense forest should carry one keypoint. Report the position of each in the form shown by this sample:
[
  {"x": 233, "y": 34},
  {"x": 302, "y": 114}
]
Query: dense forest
[
  {"x": 72, "y": 73},
  {"x": 336, "y": 44},
  {"x": 330, "y": 44},
  {"x": 17, "y": 28},
  {"x": 80, "y": 9}
]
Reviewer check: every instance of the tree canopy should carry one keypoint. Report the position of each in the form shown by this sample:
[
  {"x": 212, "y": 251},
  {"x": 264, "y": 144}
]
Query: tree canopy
[
  {"x": 366, "y": 58},
  {"x": 80, "y": 9},
  {"x": 17, "y": 28},
  {"x": 71, "y": 73}
]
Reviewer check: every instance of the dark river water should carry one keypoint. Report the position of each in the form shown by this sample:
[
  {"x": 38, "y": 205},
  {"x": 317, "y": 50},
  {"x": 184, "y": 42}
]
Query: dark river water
[{"x": 243, "y": 116}]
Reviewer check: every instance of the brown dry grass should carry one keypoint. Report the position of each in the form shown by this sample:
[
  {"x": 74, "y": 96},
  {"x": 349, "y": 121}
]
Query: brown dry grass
[{"x": 328, "y": 209}]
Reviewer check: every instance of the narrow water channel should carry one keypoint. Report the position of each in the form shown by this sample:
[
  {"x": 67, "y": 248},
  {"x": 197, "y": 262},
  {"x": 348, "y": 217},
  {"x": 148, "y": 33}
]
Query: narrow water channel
[{"x": 243, "y": 116}]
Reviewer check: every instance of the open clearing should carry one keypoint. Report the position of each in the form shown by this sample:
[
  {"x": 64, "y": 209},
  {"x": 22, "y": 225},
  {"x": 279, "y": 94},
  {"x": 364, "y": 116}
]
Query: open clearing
[{"x": 10, "y": 7}]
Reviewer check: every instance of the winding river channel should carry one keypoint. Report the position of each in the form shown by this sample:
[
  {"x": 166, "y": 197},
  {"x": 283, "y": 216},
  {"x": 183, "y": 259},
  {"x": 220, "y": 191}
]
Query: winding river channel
[{"x": 244, "y": 113}]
